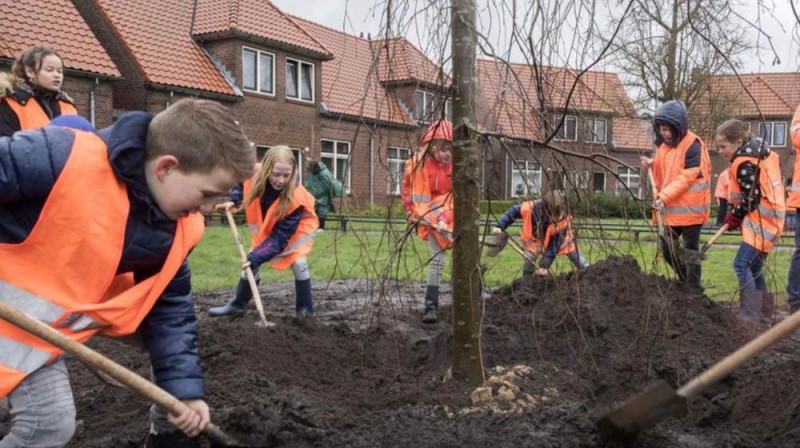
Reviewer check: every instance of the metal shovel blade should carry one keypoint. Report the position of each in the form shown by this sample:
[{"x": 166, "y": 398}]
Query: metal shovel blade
[
  {"x": 690, "y": 256},
  {"x": 642, "y": 410}
]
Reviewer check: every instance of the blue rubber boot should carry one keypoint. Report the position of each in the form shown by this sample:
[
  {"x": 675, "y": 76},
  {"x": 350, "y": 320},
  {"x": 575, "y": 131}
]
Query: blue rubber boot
[
  {"x": 431, "y": 305},
  {"x": 304, "y": 305},
  {"x": 239, "y": 302}
]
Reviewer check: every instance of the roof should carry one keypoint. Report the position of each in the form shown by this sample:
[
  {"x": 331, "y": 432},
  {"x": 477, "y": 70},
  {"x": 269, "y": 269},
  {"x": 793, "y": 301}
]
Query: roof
[
  {"x": 775, "y": 93},
  {"x": 513, "y": 103},
  {"x": 400, "y": 60},
  {"x": 57, "y": 25},
  {"x": 258, "y": 18},
  {"x": 157, "y": 36},
  {"x": 350, "y": 83}
]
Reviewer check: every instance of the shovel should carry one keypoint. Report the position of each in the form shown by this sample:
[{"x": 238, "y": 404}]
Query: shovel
[
  {"x": 100, "y": 363},
  {"x": 659, "y": 401},
  {"x": 251, "y": 279},
  {"x": 697, "y": 257}
]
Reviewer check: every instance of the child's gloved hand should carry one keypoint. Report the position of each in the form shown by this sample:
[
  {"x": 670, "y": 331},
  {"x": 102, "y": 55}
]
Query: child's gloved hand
[
  {"x": 497, "y": 231},
  {"x": 733, "y": 221},
  {"x": 542, "y": 271},
  {"x": 442, "y": 226}
]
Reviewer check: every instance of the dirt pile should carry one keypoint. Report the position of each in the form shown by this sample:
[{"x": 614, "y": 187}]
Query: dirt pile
[{"x": 562, "y": 351}]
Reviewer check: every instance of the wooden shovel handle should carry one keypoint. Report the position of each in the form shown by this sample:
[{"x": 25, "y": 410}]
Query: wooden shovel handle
[
  {"x": 99, "y": 362},
  {"x": 731, "y": 362},
  {"x": 251, "y": 279},
  {"x": 714, "y": 238}
]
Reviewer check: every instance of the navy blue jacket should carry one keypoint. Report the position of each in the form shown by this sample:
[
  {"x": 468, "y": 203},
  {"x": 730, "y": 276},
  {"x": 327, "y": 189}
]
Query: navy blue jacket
[
  {"x": 281, "y": 233},
  {"x": 30, "y": 163},
  {"x": 674, "y": 114}
]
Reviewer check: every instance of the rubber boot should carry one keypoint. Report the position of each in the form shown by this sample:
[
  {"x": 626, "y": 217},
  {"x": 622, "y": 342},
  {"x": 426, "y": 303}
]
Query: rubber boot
[
  {"x": 431, "y": 305},
  {"x": 750, "y": 304},
  {"x": 239, "y": 302},
  {"x": 304, "y": 303},
  {"x": 767, "y": 307}
]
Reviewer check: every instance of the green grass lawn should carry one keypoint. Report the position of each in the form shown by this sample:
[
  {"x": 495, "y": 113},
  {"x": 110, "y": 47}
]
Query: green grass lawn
[{"x": 386, "y": 254}]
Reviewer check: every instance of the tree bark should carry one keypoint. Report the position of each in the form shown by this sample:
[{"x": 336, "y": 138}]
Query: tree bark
[{"x": 467, "y": 362}]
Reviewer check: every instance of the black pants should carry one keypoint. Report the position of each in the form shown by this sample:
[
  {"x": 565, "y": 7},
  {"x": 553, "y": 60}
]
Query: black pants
[
  {"x": 723, "y": 210},
  {"x": 687, "y": 273},
  {"x": 321, "y": 221}
]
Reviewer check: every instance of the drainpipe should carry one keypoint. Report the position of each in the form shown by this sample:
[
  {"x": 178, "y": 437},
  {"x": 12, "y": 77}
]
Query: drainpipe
[
  {"x": 371, "y": 168},
  {"x": 92, "y": 105},
  {"x": 169, "y": 101},
  {"x": 506, "y": 175}
]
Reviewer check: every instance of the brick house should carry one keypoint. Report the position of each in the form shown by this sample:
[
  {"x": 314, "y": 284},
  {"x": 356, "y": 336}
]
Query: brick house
[
  {"x": 89, "y": 72},
  {"x": 597, "y": 118}
]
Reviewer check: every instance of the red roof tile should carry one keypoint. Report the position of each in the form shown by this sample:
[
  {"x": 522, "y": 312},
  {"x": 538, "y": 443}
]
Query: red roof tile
[
  {"x": 775, "y": 93},
  {"x": 400, "y": 60},
  {"x": 510, "y": 97},
  {"x": 349, "y": 82},
  {"x": 256, "y": 17},
  {"x": 57, "y": 25},
  {"x": 157, "y": 34}
]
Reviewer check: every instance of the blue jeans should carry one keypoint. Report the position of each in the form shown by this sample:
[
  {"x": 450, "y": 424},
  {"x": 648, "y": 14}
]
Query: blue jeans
[
  {"x": 793, "y": 287},
  {"x": 749, "y": 268}
]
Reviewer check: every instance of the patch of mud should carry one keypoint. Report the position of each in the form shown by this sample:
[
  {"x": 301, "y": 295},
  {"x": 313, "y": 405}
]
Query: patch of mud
[{"x": 368, "y": 373}]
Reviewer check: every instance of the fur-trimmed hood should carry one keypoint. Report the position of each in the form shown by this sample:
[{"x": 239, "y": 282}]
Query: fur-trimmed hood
[{"x": 22, "y": 91}]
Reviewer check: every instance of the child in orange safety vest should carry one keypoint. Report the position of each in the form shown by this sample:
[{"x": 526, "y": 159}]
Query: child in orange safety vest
[
  {"x": 283, "y": 224},
  {"x": 31, "y": 95},
  {"x": 546, "y": 232},
  {"x": 793, "y": 285},
  {"x": 428, "y": 201},
  {"x": 115, "y": 212},
  {"x": 758, "y": 208}
]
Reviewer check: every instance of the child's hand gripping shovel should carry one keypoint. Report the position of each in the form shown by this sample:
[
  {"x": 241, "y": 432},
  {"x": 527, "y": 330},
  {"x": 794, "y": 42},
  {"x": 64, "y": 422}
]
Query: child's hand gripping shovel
[
  {"x": 251, "y": 279},
  {"x": 98, "y": 362},
  {"x": 697, "y": 256},
  {"x": 659, "y": 401}
]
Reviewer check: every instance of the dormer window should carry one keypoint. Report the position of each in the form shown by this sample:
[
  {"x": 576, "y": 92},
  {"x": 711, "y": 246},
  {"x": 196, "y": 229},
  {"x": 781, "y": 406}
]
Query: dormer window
[
  {"x": 423, "y": 106},
  {"x": 299, "y": 80},
  {"x": 569, "y": 130},
  {"x": 258, "y": 68},
  {"x": 595, "y": 130}
]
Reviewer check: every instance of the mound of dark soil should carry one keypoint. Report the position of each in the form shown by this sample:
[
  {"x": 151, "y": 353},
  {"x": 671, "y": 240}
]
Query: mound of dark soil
[{"x": 560, "y": 351}]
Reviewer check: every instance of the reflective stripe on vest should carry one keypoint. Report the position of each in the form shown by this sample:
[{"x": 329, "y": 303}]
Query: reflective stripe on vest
[
  {"x": 426, "y": 208},
  {"x": 688, "y": 201},
  {"x": 300, "y": 241},
  {"x": 759, "y": 230},
  {"x": 687, "y": 210}
]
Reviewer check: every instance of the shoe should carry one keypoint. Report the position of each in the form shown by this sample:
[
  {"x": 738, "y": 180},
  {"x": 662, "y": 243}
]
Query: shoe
[
  {"x": 174, "y": 439},
  {"x": 239, "y": 303},
  {"x": 429, "y": 317},
  {"x": 304, "y": 303}
]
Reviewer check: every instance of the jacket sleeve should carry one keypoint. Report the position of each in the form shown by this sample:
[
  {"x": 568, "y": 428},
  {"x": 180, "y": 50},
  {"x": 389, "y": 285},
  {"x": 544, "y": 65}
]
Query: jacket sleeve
[
  {"x": 751, "y": 194},
  {"x": 169, "y": 333},
  {"x": 237, "y": 194},
  {"x": 511, "y": 215},
  {"x": 687, "y": 176},
  {"x": 406, "y": 187},
  {"x": 31, "y": 161},
  {"x": 277, "y": 241},
  {"x": 9, "y": 122},
  {"x": 334, "y": 187}
]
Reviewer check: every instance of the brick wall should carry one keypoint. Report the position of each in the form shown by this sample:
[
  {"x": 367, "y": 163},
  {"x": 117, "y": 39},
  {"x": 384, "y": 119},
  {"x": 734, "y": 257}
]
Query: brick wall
[{"x": 80, "y": 90}]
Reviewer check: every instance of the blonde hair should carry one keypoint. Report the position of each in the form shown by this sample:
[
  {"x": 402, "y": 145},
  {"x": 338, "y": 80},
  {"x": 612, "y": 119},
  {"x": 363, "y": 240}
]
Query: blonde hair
[
  {"x": 282, "y": 154},
  {"x": 202, "y": 135}
]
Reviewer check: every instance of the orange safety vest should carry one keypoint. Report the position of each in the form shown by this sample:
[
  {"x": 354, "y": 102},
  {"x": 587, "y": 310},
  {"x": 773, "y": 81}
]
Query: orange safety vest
[
  {"x": 536, "y": 247},
  {"x": 723, "y": 184},
  {"x": 426, "y": 209},
  {"x": 64, "y": 273},
  {"x": 762, "y": 227},
  {"x": 32, "y": 116},
  {"x": 260, "y": 226},
  {"x": 794, "y": 188},
  {"x": 686, "y": 195}
]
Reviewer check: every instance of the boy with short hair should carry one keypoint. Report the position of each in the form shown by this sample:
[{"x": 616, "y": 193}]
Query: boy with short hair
[{"x": 117, "y": 212}]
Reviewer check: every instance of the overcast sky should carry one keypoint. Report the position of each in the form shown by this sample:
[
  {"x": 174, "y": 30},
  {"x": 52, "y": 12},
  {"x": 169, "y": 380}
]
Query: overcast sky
[{"x": 356, "y": 16}]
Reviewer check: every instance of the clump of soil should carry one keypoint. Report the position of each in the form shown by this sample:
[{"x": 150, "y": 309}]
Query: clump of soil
[{"x": 561, "y": 351}]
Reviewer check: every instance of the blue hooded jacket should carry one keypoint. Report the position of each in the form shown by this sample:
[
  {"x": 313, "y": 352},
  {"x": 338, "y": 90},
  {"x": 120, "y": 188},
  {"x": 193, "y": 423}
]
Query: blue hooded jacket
[
  {"x": 30, "y": 164},
  {"x": 674, "y": 114}
]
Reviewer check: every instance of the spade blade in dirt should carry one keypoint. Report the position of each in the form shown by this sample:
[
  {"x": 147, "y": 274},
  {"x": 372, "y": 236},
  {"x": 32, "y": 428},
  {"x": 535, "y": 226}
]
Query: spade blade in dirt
[
  {"x": 643, "y": 410},
  {"x": 698, "y": 256},
  {"x": 496, "y": 244}
]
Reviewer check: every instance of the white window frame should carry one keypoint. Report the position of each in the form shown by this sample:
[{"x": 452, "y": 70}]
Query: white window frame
[
  {"x": 258, "y": 54},
  {"x": 564, "y": 128},
  {"x": 527, "y": 171},
  {"x": 448, "y": 110},
  {"x": 396, "y": 168},
  {"x": 427, "y": 106},
  {"x": 334, "y": 156},
  {"x": 627, "y": 177},
  {"x": 770, "y": 134},
  {"x": 590, "y": 134},
  {"x": 580, "y": 180},
  {"x": 602, "y": 173},
  {"x": 300, "y": 64}
]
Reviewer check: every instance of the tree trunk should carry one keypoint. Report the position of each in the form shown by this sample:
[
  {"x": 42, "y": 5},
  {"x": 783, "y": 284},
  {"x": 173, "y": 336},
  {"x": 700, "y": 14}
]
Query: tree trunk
[{"x": 467, "y": 362}]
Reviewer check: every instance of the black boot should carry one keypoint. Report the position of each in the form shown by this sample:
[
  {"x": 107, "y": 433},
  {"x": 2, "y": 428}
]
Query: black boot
[
  {"x": 431, "y": 305},
  {"x": 239, "y": 302},
  {"x": 304, "y": 304}
]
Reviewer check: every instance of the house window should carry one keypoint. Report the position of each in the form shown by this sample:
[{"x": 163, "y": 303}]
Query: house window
[
  {"x": 258, "y": 68},
  {"x": 298, "y": 160},
  {"x": 630, "y": 178},
  {"x": 397, "y": 164},
  {"x": 526, "y": 178},
  {"x": 336, "y": 156},
  {"x": 448, "y": 110},
  {"x": 299, "y": 80},
  {"x": 775, "y": 132},
  {"x": 595, "y": 130},
  {"x": 580, "y": 180},
  {"x": 569, "y": 131},
  {"x": 423, "y": 106},
  {"x": 599, "y": 182}
]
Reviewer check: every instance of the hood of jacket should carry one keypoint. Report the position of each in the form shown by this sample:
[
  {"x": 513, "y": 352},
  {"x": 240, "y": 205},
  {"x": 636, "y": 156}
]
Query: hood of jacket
[{"x": 674, "y": 114}]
